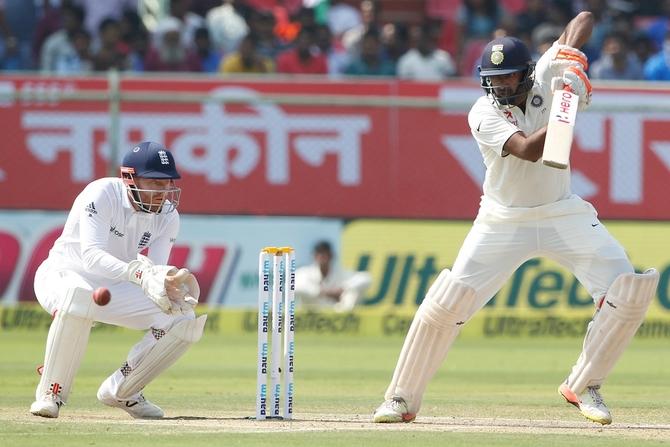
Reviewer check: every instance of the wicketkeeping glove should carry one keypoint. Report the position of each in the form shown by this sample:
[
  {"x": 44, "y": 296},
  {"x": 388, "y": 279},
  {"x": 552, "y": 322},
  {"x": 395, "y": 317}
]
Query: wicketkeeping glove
[
  {"x": 151, "y": 278},
  {"x": 578, "y": 82},
  {"x": 183, "y": 290}
]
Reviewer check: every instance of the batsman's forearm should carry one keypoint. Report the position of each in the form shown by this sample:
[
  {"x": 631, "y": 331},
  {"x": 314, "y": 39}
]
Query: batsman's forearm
[
  {"x": 527, "y": 148},
  {"x": 578, "y": 31},
  {"x": 535, "y": 143}
]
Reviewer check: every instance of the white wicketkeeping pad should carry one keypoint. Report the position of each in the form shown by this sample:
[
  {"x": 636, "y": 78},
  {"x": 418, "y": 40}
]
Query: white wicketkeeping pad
[
  {"x": 162, "y": 355},
  {"x": 66, "y": 344}
]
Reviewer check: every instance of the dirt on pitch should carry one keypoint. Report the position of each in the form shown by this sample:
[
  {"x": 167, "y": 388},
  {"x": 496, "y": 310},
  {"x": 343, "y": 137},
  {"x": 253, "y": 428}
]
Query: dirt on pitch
[{"x": 311, "y": 422}]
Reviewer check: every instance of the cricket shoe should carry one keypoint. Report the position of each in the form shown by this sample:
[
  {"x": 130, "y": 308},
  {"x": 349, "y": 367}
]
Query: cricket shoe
[
  {"x": 47, "y": 407},
  {"x": 590, "y": 403},
  {"x": 393, "y": 410},
  {"x": 137, "y": 406}
]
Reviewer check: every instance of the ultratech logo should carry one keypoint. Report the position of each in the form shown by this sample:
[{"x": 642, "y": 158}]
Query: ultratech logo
[{"x": 115, "y": 232}]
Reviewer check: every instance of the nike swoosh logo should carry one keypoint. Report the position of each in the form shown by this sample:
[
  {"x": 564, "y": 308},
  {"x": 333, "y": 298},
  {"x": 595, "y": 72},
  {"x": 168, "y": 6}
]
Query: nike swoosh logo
[{"x": 595, "y": 225}]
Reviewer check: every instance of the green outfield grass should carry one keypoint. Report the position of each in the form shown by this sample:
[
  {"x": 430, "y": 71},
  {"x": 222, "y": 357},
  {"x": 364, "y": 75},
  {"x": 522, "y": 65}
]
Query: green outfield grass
[{"x": 489, "y": 393}]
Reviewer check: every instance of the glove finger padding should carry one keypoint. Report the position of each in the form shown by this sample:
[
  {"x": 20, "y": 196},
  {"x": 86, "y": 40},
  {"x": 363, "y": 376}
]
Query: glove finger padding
[
  {"x": 154, "y": 285},
  {"x": 183, "y": 286},
  {"x": 576, "y": 81},
  {"x": 567, "y": 56}
]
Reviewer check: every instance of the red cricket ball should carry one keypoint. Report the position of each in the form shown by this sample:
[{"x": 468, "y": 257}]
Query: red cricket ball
[{"x": 101, "y": 296}]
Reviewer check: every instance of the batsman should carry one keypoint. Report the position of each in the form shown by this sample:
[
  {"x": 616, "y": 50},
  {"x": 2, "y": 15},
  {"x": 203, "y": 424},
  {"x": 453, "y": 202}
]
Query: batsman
[
  {"x": 527, "y": 210},
  {"x": 111, "y": 222}
]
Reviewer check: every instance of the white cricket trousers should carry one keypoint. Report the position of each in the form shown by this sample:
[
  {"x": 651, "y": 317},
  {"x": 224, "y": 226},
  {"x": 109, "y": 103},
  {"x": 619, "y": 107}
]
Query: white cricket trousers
[{"x": 568, "y": 232}]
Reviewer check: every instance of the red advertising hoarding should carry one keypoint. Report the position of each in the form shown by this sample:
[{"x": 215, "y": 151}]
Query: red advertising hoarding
[{"x": 321, "y": 158}]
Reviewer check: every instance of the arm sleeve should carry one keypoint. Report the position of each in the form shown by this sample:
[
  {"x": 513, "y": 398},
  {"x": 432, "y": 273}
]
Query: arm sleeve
[
  {"x": 490, "y": 129},
  {"x": 160, "y": 248},
  {"x": 94, "y": 237}
]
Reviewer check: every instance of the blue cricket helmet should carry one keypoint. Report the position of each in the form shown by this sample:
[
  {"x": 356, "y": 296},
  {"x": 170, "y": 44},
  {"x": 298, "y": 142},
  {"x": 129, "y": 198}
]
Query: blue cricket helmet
[
  {"x": 150, "y": 160},
  {"x": 502, "y": 56}
]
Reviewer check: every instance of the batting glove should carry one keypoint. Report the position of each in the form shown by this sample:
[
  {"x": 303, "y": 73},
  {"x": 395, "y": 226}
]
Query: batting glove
[
  {"x": 566, "y": 56},
  {"x": 576, "y": 81}
]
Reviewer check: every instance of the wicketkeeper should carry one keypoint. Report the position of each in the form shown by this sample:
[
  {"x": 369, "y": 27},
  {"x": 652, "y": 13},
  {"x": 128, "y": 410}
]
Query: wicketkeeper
[
  {"x": 111, "y": 221},
  {"x": 527, "y": 210}
]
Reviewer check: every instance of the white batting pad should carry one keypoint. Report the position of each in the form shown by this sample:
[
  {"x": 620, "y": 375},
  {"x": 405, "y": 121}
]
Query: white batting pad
[
  {"x": 448, "y": 305},
  {"x": 66, "y": 344},
  {"x": 162, "y": 355},
  {"x": 612, "y": 328}
]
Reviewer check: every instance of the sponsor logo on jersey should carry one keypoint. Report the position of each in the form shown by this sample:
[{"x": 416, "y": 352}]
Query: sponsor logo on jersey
[
  {"x": 144, "y": 241},
  {"x": 90, "y": 209},
  {"x": 510, "y": 117},
  {"x": 116, "y": 232}
]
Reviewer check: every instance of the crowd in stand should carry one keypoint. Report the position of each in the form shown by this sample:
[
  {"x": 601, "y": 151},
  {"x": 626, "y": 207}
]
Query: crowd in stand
[{"x": 334, "y": 37}]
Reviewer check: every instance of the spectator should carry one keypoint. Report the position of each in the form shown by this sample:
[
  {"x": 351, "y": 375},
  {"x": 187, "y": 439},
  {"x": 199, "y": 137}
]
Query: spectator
[
  {"x": 342, "y": 17},
  {"x": 336, "y": 56},
  {"x": 543, "y": 37},
  {"x": 322, "y": 284},
  {"x": 189, "y": 21},
  {"x": 130, "y": 26},
  {"x": 139, "y": 47},
  {"x": 168, "y": 54},
  {"x": 534, "y": 16},
  {"x": 643, "y": 47},
  {"x": 659, "y": 27},
  {"x": 371, "y": 61},
  {"x": 395, "y": 39},
  {"x": 80, "y": 60},
  {"x": 110, "y": 52},
  {"x": 226, "y": 26},
  {"x": 50, "y": 21},
  {"x": 262, "y": 24},
  {"x": 657, "y": 68},
  {"x": 476, "y": 22},
  {"x": 59, "y": 46},
  {"x": 97, "y": 11},
  {"x": 305, "y": 57},
  {"x": 247, "y": 59},
  {"x": 288, "y": 27},
  {"x": 426, "y": 62},
  {"x": 18, "y": 19},
  {"x": 351, "y": 39},
  {"x": 617, "y": 60},
  {"x": 478, "y": 19},
  {"x": 209, "y": 57}
]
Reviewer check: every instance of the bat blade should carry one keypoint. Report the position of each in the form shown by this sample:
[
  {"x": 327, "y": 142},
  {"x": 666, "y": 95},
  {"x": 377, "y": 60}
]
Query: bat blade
[{"x": 558, "y": 141}]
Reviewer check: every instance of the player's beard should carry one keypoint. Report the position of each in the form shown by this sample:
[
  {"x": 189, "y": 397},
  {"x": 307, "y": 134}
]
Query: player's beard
[{"x": 507, "y": 96}]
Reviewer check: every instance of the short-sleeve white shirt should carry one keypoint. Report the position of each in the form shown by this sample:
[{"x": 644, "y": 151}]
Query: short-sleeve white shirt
[{"x": 511, "y": 181}]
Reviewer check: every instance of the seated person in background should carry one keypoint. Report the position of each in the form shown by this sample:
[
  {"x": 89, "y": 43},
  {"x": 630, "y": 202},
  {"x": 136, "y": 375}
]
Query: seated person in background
[
  {"x": 247, "y": 58},
  {"x": 322, "y": 284}
]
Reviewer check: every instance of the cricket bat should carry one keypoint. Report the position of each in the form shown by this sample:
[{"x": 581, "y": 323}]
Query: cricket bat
[{"x": 561, "y": 125}]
